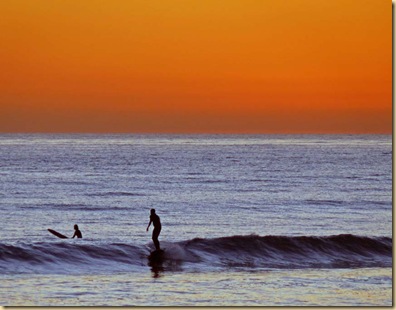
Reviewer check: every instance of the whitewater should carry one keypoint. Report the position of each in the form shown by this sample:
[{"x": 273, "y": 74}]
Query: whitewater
[{"x": 247, "y": 220}]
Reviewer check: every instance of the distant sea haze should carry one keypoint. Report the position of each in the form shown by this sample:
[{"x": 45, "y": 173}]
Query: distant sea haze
[{"x": 250, "y": 220}]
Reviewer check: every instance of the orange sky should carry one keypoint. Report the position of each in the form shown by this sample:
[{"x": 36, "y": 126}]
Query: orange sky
[{"x": 196, "y": 66}]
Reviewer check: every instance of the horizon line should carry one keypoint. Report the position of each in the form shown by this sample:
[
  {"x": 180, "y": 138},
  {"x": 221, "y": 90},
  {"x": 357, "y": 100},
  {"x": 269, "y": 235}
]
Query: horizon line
[{"x": 198, "y": 133}]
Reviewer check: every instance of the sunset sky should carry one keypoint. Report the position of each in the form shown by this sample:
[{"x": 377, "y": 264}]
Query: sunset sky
[{"x": 196, "y": 66}]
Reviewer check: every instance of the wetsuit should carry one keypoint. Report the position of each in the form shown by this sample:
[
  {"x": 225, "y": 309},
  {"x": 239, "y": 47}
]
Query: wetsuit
[
  {"x": 77, "y": 234},
  {"x": 157, "y": 229}
]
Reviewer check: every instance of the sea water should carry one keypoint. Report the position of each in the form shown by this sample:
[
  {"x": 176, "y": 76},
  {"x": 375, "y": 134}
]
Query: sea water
[{"x": 252, "y": 220}]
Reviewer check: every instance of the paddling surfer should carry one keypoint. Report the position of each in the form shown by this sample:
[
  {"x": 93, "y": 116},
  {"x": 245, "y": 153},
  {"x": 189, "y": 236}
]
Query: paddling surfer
[
  {"x": 77, "y": 232},
  {"x": 154, "y": 218}
]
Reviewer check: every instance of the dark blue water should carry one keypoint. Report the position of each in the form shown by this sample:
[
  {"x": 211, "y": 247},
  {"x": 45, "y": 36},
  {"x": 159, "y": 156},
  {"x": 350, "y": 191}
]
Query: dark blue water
[{"x": 228, "y": 204}]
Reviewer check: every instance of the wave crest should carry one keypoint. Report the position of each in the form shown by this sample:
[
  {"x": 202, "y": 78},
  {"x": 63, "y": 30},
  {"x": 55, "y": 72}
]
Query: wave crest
[{"x": 252, "y": 251}]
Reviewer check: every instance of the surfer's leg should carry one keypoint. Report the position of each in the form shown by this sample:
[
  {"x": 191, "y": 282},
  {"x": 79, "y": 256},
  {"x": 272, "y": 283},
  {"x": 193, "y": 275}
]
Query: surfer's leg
[{"x": 156, "y": 233}]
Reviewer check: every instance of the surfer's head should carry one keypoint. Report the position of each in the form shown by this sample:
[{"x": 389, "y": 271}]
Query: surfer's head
[
  {"x": 152, "y": 211},
  {"x": 76, "y": 227}
]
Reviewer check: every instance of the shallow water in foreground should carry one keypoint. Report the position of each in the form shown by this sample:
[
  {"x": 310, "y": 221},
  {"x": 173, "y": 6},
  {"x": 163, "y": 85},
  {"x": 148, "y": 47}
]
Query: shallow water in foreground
[{"x": 313, "y": 287}]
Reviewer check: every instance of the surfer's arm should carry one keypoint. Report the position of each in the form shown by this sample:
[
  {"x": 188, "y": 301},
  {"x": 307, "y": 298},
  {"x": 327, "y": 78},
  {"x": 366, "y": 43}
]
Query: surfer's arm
[
  {"x": 148, "y": 225},
  {"x": 74, "y": 235}
]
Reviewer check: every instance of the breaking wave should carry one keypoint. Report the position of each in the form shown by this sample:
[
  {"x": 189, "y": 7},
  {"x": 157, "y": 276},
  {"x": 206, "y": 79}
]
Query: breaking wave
[{"x": 252, "y": 251}]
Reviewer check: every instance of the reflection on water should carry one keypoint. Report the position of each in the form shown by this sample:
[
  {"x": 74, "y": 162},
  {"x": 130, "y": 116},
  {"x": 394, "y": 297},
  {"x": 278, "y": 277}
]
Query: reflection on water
[
  {"x": 156, "y": 267},
  {"x": 157, "y": 270}
]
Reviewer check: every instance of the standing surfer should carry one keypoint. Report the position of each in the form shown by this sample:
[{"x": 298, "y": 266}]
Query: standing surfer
[{"x": 154, "y": 218}]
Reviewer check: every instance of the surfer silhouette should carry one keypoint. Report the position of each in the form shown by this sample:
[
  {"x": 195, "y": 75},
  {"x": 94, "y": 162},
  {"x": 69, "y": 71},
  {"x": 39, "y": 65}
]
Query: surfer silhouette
[
  {"x": 77, "y": 232},
  {"x": 154, "y": 218}
]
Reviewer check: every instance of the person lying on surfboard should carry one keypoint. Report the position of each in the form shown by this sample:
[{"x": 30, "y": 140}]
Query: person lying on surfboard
[
  {"x": 154, "y": 218},
  {"x": 77, "y": 232}
]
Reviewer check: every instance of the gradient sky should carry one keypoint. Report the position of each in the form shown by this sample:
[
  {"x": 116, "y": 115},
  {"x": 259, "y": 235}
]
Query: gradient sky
[{"x": 196, "y": 66}]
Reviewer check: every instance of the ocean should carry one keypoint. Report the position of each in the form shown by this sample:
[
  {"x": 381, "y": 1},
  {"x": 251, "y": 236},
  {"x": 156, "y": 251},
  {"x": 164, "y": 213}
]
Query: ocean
[{"x": 247, "y": 220}]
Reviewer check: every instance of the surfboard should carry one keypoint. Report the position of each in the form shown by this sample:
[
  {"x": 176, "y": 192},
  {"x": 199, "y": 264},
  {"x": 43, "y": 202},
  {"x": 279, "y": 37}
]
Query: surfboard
[
  {"x": 156, "y": 256},
  {"x": 59, "y": 235}
]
